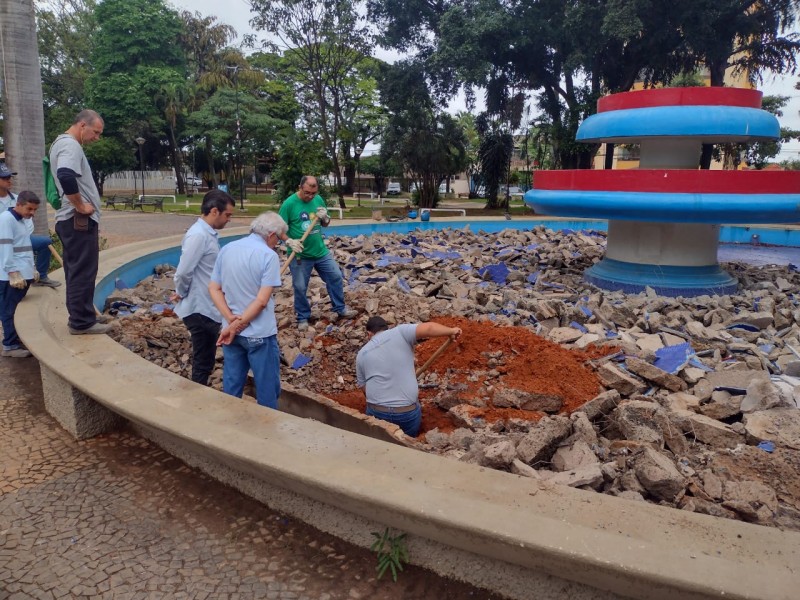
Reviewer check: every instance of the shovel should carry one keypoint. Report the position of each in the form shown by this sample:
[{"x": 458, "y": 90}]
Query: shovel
[
  {"x": 285, "y": 266},
  {"x": 434, "y": 356}
]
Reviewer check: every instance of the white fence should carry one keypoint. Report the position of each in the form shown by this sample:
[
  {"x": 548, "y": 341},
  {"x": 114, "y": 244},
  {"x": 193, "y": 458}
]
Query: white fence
[{"x": 130, "y": 182}]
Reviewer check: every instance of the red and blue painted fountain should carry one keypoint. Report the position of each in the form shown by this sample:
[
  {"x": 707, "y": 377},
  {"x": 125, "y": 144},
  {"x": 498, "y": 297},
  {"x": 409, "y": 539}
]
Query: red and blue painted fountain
[{"x": 664, "y": 217}]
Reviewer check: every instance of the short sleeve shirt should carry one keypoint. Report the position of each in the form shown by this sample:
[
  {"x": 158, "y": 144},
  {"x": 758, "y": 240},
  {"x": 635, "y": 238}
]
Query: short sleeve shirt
[
  {"x": 243, "y": 267},
  {"x": 385, "y": 367},
  {"x": 298, "y": 215},
  {"x": 67, "y": 153}
]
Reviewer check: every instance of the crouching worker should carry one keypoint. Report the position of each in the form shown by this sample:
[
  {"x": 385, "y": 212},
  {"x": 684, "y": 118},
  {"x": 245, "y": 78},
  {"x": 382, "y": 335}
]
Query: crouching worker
[
  {"x": 17, "y": 271},
  {"x": 244, "y": 277},
  {"x": 385, "y": 370}
]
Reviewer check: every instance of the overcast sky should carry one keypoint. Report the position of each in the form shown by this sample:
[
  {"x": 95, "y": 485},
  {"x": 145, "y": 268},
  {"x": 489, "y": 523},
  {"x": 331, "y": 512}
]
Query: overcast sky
[{"x": 237, "y": 14}]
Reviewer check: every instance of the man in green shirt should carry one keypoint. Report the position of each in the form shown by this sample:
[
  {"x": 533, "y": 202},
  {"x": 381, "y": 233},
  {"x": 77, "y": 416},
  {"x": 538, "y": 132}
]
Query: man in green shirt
[{"x": 298, "y": 210}]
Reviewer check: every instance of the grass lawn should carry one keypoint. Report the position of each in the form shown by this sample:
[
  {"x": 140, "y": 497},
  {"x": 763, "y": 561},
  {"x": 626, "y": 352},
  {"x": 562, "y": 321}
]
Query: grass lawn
[{"x": 255, "y": 204}]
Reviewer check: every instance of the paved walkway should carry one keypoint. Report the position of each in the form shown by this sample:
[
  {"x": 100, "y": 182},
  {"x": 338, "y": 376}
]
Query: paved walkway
[{"x": 116, "y": 517}]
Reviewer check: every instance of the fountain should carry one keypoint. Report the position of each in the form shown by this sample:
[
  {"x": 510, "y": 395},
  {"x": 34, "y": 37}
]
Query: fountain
[{"x": 664, "y": 217}]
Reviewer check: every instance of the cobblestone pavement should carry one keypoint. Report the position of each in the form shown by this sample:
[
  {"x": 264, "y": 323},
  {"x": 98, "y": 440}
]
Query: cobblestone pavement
[{"x": 116, "y": 517}]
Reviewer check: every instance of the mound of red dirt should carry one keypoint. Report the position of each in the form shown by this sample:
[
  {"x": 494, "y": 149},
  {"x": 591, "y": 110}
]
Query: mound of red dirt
[{"x": 488, "y": 358}]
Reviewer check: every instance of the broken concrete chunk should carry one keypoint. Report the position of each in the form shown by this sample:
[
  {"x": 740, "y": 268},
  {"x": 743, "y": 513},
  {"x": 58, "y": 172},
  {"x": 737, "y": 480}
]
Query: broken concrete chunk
[
  {"x": 707, "y": 430},
  {"x": 568, "y": 458},
  {"x": 520, "y": 468},
  {"x": 722, "y": 406},
  {"x": 588, "y": 475},
  {"x": 512, "y": 398},
  {"x": 637, "y": 420},
  {"x": 499, "y": 455},
  {"x": 539, "y": 444},
  {"x": 761, "y": 395},
  {"x": 600, "y": 405},
  {"x": 658, "y": 475},
  {"x": 564, "y": 335},
  {"x": 613, "y": 377},
  {"x": 779, "y": 425},
  {"x": 655, "y": 375}
]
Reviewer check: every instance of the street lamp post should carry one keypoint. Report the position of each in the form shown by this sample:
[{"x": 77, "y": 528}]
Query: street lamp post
[
  {"x": 140, "y": 140},
  {"x": 135, "y": 183},
  {"x": 359, "y": 150},
  {"x": 235, "y": 70}
]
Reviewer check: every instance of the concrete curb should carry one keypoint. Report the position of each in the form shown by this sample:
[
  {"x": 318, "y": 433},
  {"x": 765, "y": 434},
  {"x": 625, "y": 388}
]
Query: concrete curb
[{"x": 514, "y": 535}]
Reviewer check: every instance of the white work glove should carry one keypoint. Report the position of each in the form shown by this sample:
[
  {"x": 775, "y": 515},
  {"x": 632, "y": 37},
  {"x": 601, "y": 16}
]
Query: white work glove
[
  {"x": 322, "y": 215},
  {"x": 295, "y": 245},
  {"x": 15, "y": 280}
]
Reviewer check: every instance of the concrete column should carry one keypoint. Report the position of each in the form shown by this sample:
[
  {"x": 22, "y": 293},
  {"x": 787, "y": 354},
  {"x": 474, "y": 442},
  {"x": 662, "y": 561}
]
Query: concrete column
[
  {"x": 672, "y": 244},
  {"x": 75, "y": 411}
]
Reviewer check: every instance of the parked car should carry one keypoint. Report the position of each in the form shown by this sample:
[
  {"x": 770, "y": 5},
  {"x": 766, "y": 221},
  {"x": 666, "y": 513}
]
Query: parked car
[
  {"x": 393, "y": 189},
  {"x": 194, "y": 181},
  {"x": 515, "y": 190}
]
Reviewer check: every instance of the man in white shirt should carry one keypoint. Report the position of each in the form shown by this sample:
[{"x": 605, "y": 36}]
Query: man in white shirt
[
  {"x": 40, "y": 243},
  {"x": 199, "y": 250},
  {"x": 246, "y": 273}
]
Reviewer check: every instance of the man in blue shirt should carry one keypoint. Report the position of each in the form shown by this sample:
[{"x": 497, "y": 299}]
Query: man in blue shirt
[
  {"x": 199, "y": 250},
  {"x": 245, "y": 275},
  {"x": 40, "y": 243},
  {"x": 16, "y": 268}
]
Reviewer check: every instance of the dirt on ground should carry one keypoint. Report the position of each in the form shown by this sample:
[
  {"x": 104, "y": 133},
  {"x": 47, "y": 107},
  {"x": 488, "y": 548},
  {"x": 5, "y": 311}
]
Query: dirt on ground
[{"x": 488, "y": 358}]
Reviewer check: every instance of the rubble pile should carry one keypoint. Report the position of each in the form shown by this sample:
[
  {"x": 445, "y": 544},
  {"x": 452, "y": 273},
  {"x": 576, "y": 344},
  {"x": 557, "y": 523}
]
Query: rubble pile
[{"x": 686, "y": 402}]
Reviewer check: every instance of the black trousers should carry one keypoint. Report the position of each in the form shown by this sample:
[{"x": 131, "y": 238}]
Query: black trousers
[
  {"x": 81, "y": 258},
  {"x": 204, "y": 332}
]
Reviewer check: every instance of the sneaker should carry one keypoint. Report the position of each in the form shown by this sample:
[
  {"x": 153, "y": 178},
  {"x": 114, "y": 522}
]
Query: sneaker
[
  {"x": 347, "y": 313},
  {"x": 17, "y": 353},
  {"x": 95, "y": 329},
  {"x": 47, "y": 282},
  {"x": 302, "y": 325}
]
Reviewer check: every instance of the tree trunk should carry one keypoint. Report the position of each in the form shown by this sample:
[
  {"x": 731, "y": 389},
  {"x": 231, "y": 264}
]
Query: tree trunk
[
  {"x": 210, "y": 161},
  {"x": 23, "y": 118}
]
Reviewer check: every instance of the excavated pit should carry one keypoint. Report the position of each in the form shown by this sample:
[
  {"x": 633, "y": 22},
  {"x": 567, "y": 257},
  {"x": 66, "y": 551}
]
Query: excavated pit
[{"x": 553, "y": 379}]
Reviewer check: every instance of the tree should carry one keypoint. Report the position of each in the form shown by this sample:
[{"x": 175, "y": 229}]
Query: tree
[
  {"x": 380, "y": 167},
  {"x": 216, "y": 120},
  {"x": 324, "y": 43},
  {"x": 23, "y": 119},
  {"x": 65, "y": 29},
  {"x": 429, "y": 143},
  {"x": 494, "y": 155},
  {"x": 571, "y": 53},
  {"x": 135, "y": 58}
]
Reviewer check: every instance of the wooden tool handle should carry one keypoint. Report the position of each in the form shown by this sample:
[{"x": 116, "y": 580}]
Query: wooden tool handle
[
  {"x": 434, "y": 356},
  {"x": 289, "y": 260}
]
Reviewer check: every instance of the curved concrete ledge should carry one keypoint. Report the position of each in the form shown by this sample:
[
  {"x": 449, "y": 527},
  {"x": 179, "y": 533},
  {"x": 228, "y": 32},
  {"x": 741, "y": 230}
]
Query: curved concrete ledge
[{"x": 520, "y": 537}]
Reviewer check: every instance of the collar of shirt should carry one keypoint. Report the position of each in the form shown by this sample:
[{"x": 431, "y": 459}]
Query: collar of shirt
[
  {"x": 208, "y": 227},
  {"x": 17, "y": 216}
]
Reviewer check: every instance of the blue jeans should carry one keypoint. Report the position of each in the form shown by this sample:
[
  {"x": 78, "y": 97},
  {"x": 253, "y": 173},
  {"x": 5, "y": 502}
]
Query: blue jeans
[
  {"x": 10, "y": 298},
  {"x": 41, "y": 251},
  {"x": 330, "y": 273},
  {"x": 409, "y": 421},
  {"x": 263, "y": 356}
]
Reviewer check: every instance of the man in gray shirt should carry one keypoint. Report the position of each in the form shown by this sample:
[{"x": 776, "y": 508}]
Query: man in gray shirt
[
  {"x": 385, "y": 369},
  {"x": 199, "y": 250},
  {"x": 78, "y": 219}
]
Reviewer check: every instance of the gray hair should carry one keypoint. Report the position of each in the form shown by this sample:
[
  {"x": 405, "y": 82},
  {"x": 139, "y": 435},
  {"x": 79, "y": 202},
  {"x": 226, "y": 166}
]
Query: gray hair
[{"x": 268, "y": 222}]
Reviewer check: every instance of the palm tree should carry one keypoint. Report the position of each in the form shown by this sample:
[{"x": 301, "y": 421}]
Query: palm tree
[{"x": 23, "y": 116}]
